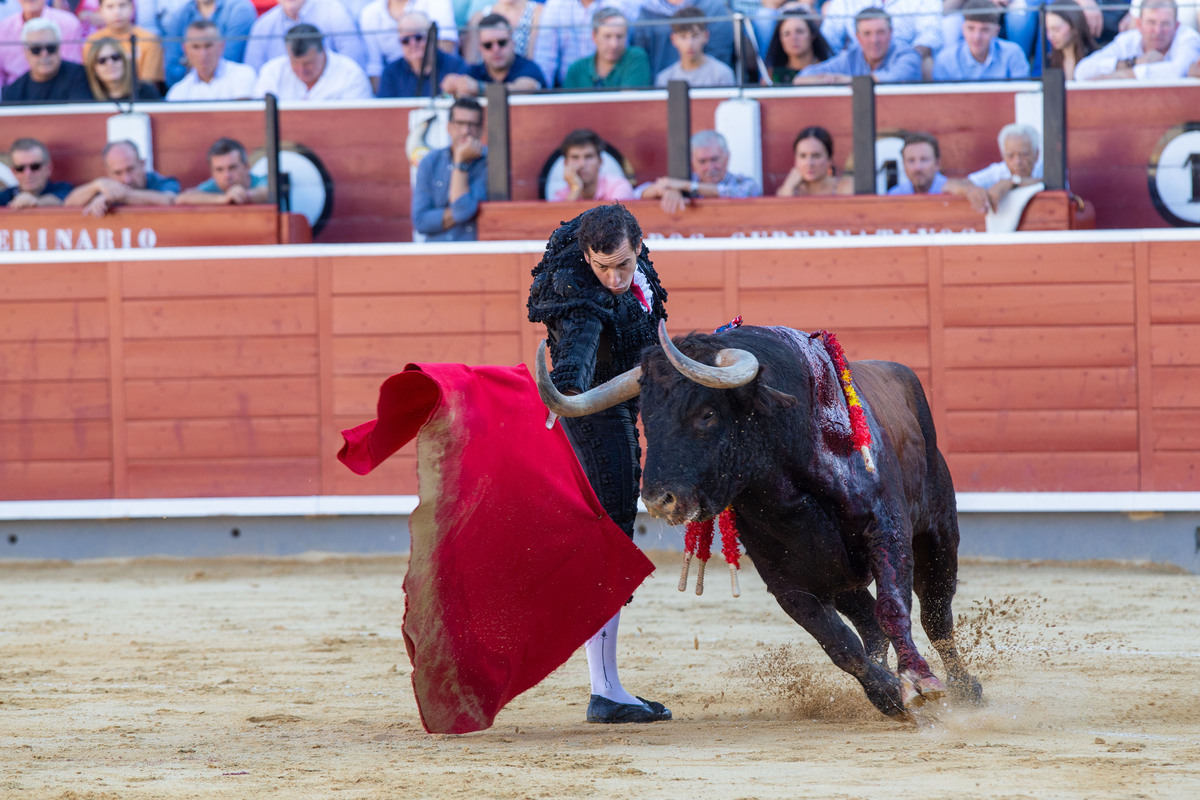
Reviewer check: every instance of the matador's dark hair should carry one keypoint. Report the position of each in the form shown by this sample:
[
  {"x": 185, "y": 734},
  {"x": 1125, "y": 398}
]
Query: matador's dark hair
[{"x": 602, "y": 229}]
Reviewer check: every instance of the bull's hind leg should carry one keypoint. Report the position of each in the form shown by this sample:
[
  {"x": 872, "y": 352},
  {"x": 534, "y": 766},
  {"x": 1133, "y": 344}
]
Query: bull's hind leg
[
  {"x": 935, "y": 578},
  {"x": 858, "y": 606}
]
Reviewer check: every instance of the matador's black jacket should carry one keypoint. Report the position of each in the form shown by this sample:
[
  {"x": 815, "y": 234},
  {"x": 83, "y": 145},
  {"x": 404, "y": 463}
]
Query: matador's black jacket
[{"x": 595, "y": 335}]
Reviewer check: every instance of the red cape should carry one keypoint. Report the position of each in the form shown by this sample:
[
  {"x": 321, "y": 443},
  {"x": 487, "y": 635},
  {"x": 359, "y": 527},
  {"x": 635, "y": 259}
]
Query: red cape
[{"x": 514, "y": 563}]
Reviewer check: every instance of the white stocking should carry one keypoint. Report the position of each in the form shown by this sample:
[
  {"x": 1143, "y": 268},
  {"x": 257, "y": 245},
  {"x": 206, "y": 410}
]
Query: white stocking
[{"x": 601, "y": 652}]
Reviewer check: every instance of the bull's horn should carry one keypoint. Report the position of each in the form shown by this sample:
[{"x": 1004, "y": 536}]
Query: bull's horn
[
  {"x": 621, "y": 388},
  {"x": 734, "y": 367}
]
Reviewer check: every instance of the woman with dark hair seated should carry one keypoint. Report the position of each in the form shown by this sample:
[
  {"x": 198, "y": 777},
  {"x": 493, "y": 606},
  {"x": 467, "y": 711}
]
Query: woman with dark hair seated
[
  {"x": 110, "y": 73},
  {"x": 812, "y": 173},
  {"x": 1069, "y": 36},
  {"x": 796, "y": 43}
]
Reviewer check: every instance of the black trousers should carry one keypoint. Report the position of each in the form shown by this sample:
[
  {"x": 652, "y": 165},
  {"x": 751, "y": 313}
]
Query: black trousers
[{"x": 607, "y": 446}]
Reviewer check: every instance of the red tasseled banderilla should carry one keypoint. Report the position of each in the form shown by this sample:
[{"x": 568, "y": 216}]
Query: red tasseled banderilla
[
  {"x": 697, "y": 542},
  {"x": 860, "y": 432},
  {"x": 730, "y": 548}
]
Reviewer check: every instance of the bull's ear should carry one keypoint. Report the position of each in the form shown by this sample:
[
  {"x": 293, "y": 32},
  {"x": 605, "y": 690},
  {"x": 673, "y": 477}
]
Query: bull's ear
[{"x": 780, "y": 399}]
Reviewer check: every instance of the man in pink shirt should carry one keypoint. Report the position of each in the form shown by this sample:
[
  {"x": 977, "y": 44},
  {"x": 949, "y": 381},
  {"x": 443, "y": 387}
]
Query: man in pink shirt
[
  {"x": 13, "y": 63},
  {"x": 581, "y": 170}
]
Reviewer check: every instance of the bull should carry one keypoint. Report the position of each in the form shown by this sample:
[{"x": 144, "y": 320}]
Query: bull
[{"x": 754, "y": 419}]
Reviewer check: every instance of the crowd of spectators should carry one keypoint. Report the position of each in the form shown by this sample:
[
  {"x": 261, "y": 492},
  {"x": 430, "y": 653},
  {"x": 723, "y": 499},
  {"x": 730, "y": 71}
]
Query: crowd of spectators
[
  {"x": 112, "y": 50},
  {"x": 352, "y": 49}
]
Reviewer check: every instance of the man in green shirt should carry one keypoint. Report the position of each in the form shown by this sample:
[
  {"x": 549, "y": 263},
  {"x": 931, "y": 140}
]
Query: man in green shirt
[{"x": 614, "y": 64}]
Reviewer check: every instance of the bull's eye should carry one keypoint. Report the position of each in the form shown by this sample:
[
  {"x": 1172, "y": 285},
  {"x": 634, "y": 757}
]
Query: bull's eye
[{"x": 707, "y": 419}]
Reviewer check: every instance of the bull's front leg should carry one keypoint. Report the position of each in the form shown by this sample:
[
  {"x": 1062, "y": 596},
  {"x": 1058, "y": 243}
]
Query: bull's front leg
[
  {"x": 842, "y": 646},
  {"x": 891, "y": 558}
]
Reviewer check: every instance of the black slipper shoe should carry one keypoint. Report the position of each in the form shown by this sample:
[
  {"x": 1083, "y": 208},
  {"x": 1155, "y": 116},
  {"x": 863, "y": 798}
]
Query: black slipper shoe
[{"x": 601, "y": 709}]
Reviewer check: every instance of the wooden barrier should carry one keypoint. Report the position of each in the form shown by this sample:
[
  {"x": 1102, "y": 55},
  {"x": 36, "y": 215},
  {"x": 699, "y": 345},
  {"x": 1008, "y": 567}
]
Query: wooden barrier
[
  {"x": 126, "y": 228},
  {"x": 1114, "y": 135},
  {"x": 780, "y": 216},
  {"x": 1063, "y": 362}
]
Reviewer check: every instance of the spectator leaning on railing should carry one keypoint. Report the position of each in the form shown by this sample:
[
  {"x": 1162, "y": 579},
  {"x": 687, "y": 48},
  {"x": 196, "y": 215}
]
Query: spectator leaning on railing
[
  {"x": 1158, "y": 49},
  {"x": 13, "y": 63},
  {"x": 980, "y": 55},
  {"x": 399, "y": 78},
  {"x": 232, "y": 20},
  {"x": 49, "y": 78},
  {"x": 230, "y": 183},
  {"x": 1021, "y": 163},
  {"x": 127, "y": 182},
  {"x": 874, "y": 53},
  {"x": 614, "y": 64},
  {"x": 212, "y": 76},
  {"x": 710, "y": 177},
  {"x": 30, "y": 161}
]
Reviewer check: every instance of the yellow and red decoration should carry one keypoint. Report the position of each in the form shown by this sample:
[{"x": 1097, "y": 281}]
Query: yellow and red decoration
[{"x": 860, "y": 432}]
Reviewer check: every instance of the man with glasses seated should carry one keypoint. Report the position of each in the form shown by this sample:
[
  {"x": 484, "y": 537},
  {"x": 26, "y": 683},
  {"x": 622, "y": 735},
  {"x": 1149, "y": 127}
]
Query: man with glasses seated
[
  {"x": 452, "y": 182},
  {"x": 405, "y": 77},
  {"x": 500, "y": 64},
  {"x": 12, "y": 55},
  {"x": 30, "y": 160},
  {"x": 49, "y": 79}
]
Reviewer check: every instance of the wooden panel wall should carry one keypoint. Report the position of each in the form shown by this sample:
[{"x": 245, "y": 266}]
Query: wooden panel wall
[{"x": 1051, "y": 366}]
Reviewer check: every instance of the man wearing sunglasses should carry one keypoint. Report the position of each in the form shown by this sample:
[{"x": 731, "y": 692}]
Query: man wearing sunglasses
[
  {"x": 12, "y": 55},
  {"x": 500, "y": 64},
  {"x": 49, "y": 79},
  {"x": 409, "y": 76},
  {"x": 30, "y": 160}
]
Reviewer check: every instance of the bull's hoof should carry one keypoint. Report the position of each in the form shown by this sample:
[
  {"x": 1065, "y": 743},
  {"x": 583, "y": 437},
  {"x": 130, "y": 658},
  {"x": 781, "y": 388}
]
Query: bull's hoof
[
  {"x": 965, "y": 690},
  {"x": 916, "y": 691}
]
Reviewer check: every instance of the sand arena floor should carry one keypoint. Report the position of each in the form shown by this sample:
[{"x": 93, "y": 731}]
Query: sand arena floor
[{"x": 251, "y": 678}]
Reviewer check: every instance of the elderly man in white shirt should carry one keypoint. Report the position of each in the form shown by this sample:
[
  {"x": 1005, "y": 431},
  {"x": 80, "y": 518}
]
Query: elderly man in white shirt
[
  {"x": 1157, "y": 49},
  {"x": 1022, "y": 162},
  {"x": 211, "y": 76},
  {"x": 310, "y": 72}
]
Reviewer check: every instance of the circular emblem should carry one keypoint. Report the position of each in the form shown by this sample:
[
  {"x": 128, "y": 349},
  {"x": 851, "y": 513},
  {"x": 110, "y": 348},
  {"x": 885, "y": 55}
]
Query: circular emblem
[
  {"x": 309, "y": 184},
  {"x": 1174, "y": 175}
]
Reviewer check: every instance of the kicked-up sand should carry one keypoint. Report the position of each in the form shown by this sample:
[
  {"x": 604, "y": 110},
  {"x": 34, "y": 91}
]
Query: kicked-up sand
[{"x": 287, "y": 678}]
